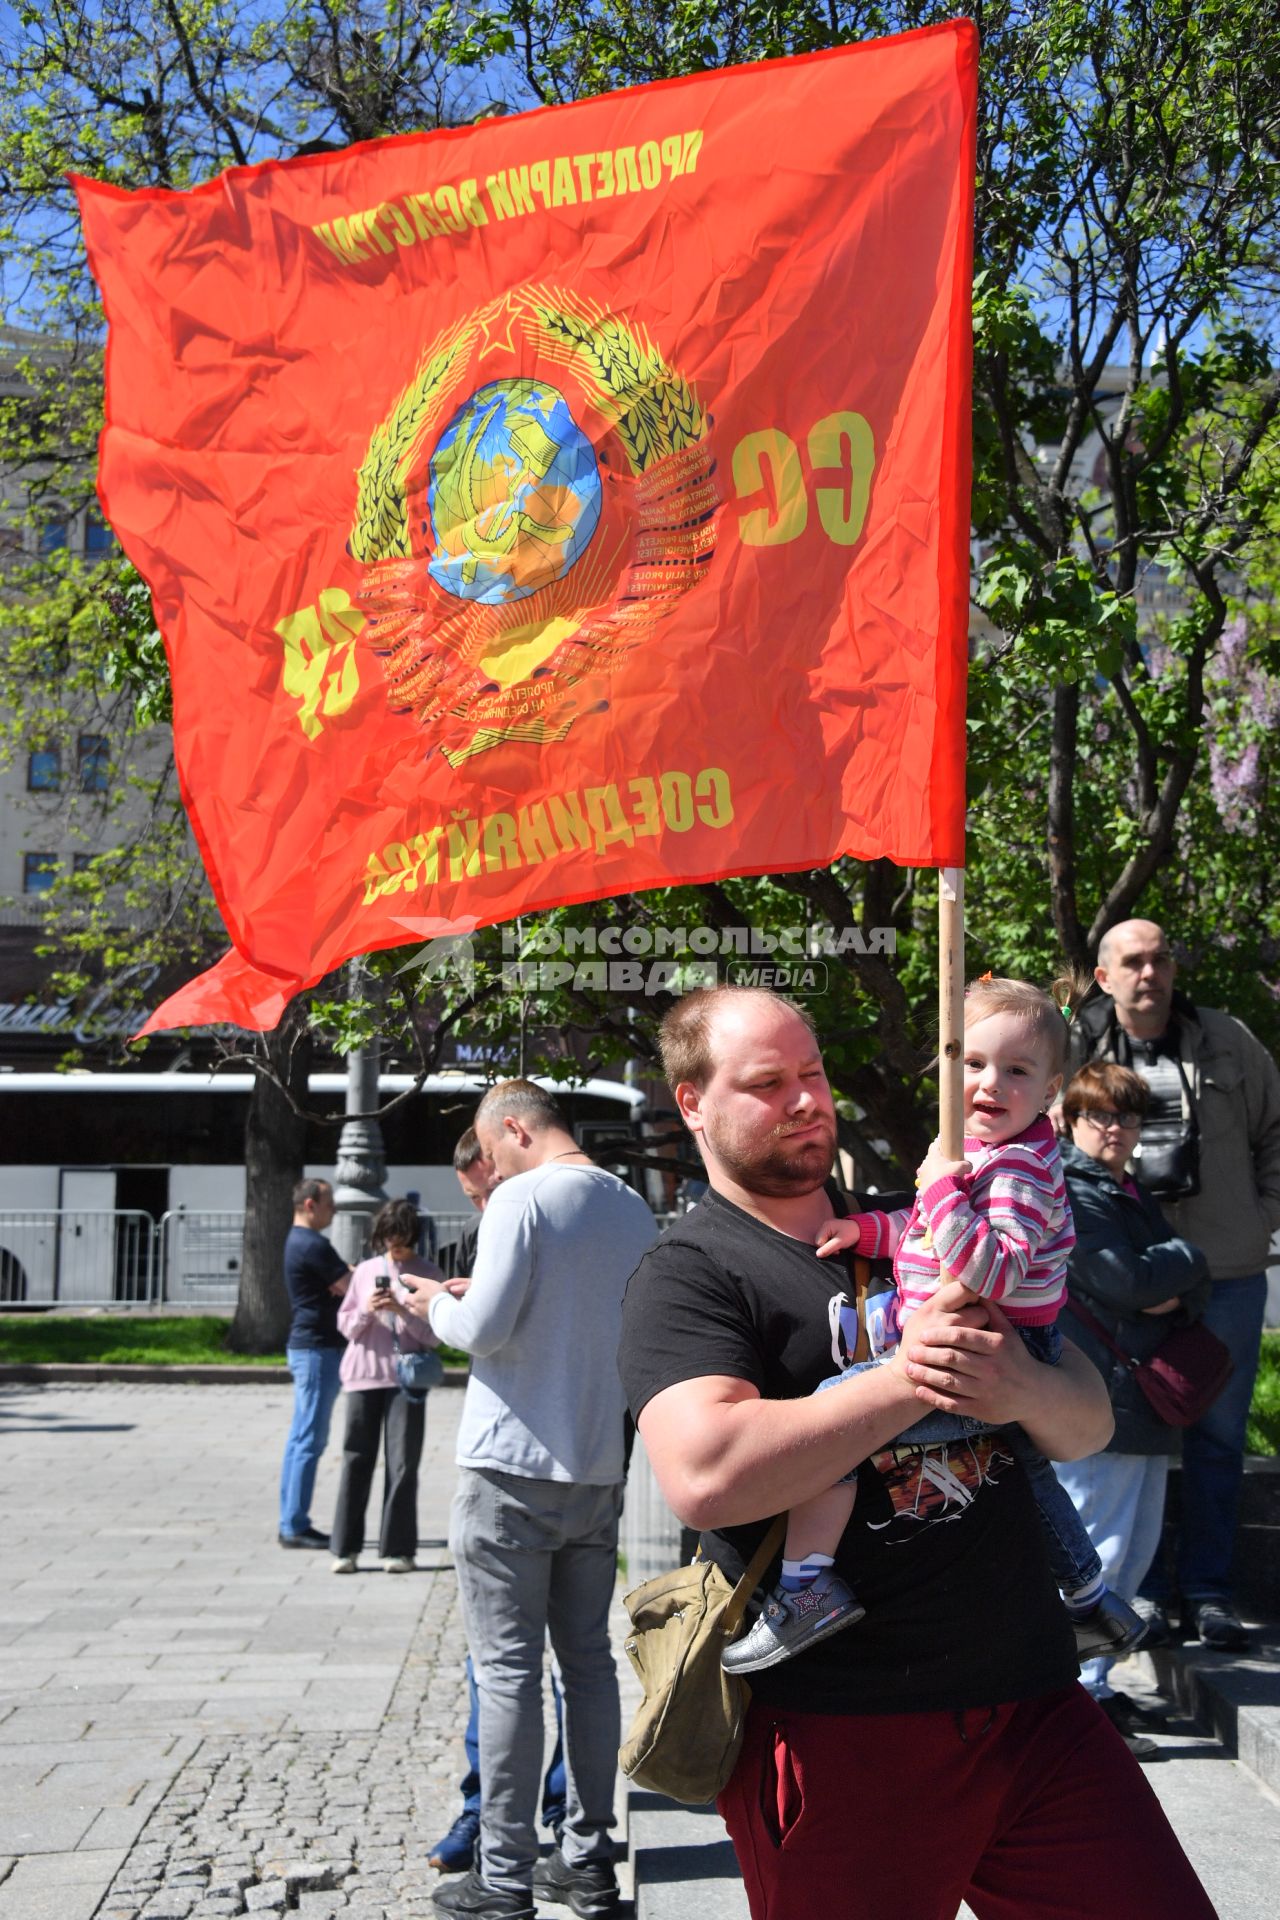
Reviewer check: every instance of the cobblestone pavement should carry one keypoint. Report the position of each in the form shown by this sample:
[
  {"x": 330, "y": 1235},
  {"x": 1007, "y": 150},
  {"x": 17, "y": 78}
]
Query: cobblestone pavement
[{"x": 193, "y": 1722}]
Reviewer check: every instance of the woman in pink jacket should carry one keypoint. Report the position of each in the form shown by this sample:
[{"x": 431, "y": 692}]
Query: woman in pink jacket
[{"x": 373, "y": 1320}]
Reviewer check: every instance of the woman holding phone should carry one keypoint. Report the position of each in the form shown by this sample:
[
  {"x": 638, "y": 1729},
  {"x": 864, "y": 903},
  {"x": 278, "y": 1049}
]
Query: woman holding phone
[{"x": 374, "y": 1320}]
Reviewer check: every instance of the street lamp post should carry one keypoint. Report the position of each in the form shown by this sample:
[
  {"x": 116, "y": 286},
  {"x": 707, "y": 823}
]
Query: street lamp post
[{"x": 361, "y": 1166}]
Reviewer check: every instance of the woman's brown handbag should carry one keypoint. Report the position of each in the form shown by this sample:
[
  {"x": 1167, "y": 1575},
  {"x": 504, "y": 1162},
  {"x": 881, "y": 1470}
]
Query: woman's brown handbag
[{"x": 1183, "y": 1377}]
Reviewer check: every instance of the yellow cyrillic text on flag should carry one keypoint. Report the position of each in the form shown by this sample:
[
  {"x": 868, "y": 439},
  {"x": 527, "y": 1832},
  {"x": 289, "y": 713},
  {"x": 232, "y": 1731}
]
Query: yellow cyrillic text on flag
[
  {"x": 594, "y": 818},
  {"x": 563, "y": 180},
  {"x": 321, "y": 671},
  {"x": 768, "y": 468}
]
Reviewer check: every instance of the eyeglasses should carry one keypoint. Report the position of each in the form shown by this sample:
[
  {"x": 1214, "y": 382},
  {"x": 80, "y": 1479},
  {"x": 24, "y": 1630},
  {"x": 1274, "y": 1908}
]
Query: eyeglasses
[{"x": 1102, "y": 1120}]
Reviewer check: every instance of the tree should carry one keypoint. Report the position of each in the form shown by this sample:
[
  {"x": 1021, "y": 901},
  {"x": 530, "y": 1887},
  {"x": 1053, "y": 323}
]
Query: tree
[
  {"x": 1125, "y": 432},
  {"x": 152, "y": 93},
  {"x": 1125, "y": 440}
]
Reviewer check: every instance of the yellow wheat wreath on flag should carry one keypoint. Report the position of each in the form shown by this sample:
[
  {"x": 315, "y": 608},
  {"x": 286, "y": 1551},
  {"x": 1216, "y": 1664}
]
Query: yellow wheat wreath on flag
[{"x": 650, "y": 403}]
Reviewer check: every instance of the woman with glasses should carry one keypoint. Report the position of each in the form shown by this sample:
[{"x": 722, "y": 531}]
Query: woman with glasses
[{"x": 1139, "y": 1281}]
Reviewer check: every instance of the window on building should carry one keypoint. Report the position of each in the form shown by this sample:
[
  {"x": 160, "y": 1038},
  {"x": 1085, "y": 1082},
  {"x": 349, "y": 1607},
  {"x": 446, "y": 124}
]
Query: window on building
[
  {"x": 44, "y": 770},
  {"x": 98, "y": 537},
  {"x": 94, "y": 762},
  {"x": 81, "y": 862},
  {"x": 39, "y": 871},
  {"x": 53, "y": 536}
]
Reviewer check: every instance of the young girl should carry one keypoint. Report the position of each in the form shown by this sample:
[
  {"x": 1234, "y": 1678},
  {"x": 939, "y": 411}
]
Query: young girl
[
  {"x": 373, "y": 1318},
  {"x": 998, "y": 1221}
]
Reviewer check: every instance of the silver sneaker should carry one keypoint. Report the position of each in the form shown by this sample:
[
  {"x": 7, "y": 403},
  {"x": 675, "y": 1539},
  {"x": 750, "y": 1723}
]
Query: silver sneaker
[
  {"x": 791, "y": 1622},
  {"x": 1111, "y": 1629}
]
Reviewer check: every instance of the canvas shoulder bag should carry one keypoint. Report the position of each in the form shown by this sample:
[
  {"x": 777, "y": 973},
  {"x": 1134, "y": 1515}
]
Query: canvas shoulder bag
[{"x": 687, "y": 1731}]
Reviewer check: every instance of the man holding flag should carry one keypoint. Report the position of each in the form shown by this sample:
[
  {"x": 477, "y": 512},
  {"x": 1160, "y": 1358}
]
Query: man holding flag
[{"x": 941, "y": 1750}]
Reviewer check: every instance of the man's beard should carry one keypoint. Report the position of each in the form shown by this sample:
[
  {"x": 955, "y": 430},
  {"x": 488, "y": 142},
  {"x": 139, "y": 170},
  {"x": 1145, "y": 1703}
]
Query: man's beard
[{"x": 773, "y": 1167}]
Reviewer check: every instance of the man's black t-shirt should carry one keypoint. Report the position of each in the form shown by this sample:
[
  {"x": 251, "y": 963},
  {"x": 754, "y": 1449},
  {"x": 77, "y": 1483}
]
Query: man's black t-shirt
[
  {"x": 311, "y": 1266},
  {"x": 945, "y": 1548}
]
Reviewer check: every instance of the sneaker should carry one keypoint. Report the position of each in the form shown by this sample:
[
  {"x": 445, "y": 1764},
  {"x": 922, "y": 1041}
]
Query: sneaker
[
  {"x": 311, "y": 1538},
  {"x": 1156, "y": 1630},
  {"x": 1140, "y": 1745},
  {"x": 1219, "y": 1625},
  {"x": 587, "y": 1890},
  {"x": 1134, "y": 1716},
  {"x": 345, "y": 1565},
  {"x": 457, "y": 1851},
  {"x": 791, "y": 1622},
  {"x": 477, "y": 1900},
  {"x": 1111, "y": 1628},
  {"x": 399, "y": 1563}
]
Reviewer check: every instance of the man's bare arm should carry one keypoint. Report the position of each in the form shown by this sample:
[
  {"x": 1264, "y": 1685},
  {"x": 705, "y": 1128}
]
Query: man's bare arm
[{"x": 724, "y": 1456}]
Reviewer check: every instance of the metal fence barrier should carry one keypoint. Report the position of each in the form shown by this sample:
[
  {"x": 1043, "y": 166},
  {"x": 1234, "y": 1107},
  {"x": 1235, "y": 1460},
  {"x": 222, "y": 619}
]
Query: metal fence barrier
[
  {"x": 77, "y": 1257},
  {"x": 111, "y": 1259}
]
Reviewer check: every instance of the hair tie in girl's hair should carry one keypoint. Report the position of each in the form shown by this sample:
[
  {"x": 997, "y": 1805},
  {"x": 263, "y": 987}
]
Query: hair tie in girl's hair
[{"x": 985, "y": 979}]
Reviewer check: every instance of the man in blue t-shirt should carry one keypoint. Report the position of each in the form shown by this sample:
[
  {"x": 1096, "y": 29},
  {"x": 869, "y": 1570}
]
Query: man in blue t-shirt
[{"x": 316, "y": 1276}]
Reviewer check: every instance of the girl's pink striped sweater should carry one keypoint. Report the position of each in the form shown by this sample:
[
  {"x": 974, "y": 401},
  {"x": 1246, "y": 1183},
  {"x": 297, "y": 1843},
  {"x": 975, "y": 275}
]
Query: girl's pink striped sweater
[{"x": 1005, "y": 1230}]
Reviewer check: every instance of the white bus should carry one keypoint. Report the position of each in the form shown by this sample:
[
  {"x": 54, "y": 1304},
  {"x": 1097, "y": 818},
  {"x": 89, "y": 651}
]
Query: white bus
[{"x": 128, "y": 1187}]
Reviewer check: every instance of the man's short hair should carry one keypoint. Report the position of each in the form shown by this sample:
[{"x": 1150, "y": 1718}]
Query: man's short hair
[
  {"x": 684, "y": 1038},
  {"x": 532, "y": 1105},
  {"x": 309, "y": 1190},
  {"x": 467, "y": 1151},
  {"x": 1104, "y": 1087}
]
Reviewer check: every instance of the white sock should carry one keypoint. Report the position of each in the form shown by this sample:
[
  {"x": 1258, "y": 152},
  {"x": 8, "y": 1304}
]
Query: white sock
[
  {"x": 1084, "y": 1599},
  {"x": 802, "y": 1573}
]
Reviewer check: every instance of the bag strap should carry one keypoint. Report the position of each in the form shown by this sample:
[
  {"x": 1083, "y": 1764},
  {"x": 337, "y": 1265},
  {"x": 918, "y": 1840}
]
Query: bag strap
[
  {"x": 395, "y": 1318},
  {"x": 1095, "y": 1327},
  {"x": 861, "y": 1288},
  {"x": 736, "y": 1605}
]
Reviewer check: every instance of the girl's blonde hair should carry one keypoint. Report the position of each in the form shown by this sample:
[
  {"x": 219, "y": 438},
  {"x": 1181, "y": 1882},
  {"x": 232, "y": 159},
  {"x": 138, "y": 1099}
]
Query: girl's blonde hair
[{"x": 1046, "y": 1014}]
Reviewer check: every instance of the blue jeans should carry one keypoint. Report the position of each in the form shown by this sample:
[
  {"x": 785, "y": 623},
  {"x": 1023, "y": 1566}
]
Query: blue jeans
[
  {"x": 1213, "y": 1454},
  {"x": 1072, "y": 1556},
  {"x": 315, "y": 1389},
  {"x": 553, "y": 1787},
  {"x": 1120, "y": 1498}
]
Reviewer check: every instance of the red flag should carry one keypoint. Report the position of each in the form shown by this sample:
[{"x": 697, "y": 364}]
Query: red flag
[{"x": 564, "y": 505}]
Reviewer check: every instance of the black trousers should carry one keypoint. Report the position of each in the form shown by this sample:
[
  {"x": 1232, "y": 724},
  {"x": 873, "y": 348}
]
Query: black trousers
[{"x": 380, "y": 1414}]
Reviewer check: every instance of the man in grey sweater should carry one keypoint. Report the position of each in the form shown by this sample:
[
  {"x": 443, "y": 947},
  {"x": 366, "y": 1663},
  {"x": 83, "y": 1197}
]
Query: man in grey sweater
[{"x": 535, "y": 1516}]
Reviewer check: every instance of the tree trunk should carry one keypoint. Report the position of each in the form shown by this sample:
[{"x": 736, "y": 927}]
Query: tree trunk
[
  {"x": 274, "y": 1149},
  {"x": 1062, "y": 824}
]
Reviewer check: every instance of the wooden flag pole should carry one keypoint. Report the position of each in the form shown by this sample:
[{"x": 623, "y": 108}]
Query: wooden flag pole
[{"x": 951, "y": 978}]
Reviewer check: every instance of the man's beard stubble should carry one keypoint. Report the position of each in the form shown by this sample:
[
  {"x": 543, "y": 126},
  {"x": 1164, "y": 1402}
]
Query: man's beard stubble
[{"x": 770, "y": 1169}]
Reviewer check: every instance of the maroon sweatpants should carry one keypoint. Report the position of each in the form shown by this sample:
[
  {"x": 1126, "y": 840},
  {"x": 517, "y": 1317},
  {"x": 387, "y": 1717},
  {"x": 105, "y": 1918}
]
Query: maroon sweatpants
[{"x": 1035, "y": 1811}]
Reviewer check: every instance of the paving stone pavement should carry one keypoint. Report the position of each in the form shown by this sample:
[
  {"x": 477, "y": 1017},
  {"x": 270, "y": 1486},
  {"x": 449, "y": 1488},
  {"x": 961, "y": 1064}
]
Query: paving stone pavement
[{"x": 194, "y": 1722}]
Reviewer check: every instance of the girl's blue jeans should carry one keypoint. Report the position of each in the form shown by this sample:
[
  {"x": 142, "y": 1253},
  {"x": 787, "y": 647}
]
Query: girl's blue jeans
[{"x": 1072, "y": 1555}]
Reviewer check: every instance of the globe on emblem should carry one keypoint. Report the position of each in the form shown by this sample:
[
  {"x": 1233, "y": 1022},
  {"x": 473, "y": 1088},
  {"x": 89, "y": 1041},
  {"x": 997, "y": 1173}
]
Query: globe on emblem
[{"x": 513, "y": 493}]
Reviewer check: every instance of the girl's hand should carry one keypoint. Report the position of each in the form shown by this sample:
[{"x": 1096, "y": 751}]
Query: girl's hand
[
  {"x": 934, "y": 1167},
  {"x": 836, "y": 1236}
]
